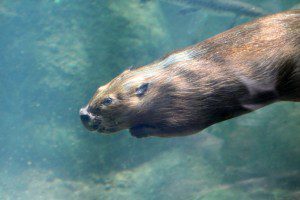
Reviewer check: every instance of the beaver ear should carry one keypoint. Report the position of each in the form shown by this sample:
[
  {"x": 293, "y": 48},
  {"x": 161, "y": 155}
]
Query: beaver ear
[{"x": 140, "y": 91}]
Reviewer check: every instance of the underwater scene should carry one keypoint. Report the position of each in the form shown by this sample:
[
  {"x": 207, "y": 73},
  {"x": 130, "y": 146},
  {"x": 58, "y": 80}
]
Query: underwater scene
[{"x": 55, "y": 54}]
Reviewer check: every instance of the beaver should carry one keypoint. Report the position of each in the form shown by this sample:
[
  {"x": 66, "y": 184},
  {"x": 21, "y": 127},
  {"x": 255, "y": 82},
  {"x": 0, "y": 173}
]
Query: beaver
[{"x": 230, "y": 74}]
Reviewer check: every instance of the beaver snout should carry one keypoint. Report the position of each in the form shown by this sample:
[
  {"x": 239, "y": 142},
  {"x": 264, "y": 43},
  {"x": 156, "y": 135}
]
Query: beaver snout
[{"x": 89, "y": 121}]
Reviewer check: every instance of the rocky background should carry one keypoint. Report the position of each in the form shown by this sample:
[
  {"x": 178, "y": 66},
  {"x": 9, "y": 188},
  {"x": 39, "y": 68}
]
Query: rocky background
[{"x": 53, "y": 56}]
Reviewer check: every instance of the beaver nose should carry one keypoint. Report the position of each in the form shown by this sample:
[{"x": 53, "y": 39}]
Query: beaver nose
[{"x": 89, "y": 121}]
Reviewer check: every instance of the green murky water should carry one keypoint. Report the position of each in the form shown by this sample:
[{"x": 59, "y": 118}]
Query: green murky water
[{"x": 53, "y": 56}]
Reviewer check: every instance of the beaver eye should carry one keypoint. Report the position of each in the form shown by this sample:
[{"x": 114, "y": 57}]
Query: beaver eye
[
  {"x": 107, "y": 101},
  {"x": 140, "y": 91}
]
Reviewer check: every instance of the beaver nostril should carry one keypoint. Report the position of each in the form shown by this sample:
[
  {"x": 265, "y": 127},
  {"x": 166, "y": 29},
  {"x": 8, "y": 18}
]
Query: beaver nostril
[
  {"x": 84, "y": 115},
  {"x": 90, "y": 122},
  {"x": 85, "y": 118}
]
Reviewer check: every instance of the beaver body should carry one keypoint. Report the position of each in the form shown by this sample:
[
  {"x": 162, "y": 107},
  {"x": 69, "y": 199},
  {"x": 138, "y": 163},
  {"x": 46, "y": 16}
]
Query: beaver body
[{"x": 230, "y": 74}]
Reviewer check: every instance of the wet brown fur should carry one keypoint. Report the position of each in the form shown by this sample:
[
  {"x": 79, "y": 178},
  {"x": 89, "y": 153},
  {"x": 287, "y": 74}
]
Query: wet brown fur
[{"x": 233, "y": 73}]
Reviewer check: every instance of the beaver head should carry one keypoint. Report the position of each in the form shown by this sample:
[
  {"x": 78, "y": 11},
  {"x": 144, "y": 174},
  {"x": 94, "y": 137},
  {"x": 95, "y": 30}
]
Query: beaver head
[{"x": 116, "y": 105}]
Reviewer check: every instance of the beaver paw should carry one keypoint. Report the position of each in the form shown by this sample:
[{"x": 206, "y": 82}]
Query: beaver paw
[
  {"x": 138, "y": 132},
  {"x": 142, "y": 131}
]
